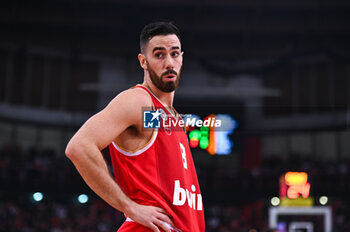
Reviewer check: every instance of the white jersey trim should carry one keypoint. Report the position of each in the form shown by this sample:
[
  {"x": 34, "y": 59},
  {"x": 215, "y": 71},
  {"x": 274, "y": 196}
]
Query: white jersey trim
[
  {"x": 167, "y": 224},
  {"x": 140, "y": 151}
]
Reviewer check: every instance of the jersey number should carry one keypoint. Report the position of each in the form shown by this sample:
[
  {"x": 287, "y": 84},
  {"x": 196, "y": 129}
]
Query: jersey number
[{"x": 183, "y": 153}]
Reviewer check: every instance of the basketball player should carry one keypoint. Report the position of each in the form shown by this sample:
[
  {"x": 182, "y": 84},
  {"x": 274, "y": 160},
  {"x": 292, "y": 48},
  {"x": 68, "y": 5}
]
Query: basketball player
[{"x": 155, "y": 184}]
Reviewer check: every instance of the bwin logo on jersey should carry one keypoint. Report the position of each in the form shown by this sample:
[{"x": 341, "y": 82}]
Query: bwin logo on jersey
[
  {"x": 151, "y": 119},
  {"x": 181, "y": 195}
]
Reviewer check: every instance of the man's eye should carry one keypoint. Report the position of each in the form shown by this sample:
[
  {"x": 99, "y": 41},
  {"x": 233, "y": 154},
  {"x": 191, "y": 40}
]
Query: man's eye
[
  {"x": 158, "y": 55},
  {"x": 175, "y": 54}
]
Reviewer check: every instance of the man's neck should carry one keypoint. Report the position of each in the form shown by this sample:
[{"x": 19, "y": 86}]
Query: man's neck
[{"x": 166, "y": 98}]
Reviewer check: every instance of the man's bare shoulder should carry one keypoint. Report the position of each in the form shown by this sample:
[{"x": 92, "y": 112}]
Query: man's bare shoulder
[
  {"x": 127, "y": 107},
  {"x": 133, "y": 98}
]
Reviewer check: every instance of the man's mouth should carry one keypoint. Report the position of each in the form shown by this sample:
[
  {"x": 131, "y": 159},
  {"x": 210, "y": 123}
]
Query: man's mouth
[{"x": 169, "y": 77}]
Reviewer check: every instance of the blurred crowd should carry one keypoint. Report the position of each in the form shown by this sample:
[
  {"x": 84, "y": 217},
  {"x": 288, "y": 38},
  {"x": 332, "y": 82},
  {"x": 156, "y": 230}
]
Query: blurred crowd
[
  {"x": 235, "y": 200},
  {"x": 44, "y": 216}
]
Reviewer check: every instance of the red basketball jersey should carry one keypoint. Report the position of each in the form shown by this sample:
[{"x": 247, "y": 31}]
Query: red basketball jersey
[{"x": 162, "y": 174}]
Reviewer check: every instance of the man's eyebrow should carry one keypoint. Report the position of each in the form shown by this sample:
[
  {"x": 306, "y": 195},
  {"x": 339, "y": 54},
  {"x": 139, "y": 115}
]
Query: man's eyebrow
[
  {"x": 158, "y": 48},
  {"x": 163, "y": 48}
]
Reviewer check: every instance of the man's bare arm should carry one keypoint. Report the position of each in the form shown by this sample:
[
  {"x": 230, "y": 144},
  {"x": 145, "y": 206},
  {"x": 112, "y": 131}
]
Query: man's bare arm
[{"x": 84, "y": 150}]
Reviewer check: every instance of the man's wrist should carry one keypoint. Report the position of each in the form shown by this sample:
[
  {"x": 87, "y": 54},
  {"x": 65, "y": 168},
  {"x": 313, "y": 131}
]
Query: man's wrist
[{"x": 128, "y": 207}]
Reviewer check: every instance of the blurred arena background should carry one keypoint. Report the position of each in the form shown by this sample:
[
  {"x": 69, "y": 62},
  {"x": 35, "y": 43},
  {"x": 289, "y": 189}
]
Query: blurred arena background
[{"x": 281, "y": 69}]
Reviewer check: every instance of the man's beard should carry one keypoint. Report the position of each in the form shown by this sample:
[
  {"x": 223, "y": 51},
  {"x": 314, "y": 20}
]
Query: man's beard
[{"x": 168, "y": 86}]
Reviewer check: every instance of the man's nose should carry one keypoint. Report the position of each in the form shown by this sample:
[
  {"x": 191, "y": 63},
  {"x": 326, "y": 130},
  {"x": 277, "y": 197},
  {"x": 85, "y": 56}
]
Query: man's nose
[{"x": 169, "y": 63}]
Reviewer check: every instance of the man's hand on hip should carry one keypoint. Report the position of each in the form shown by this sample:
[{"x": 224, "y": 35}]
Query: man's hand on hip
[{"x": 150, "y": 216}]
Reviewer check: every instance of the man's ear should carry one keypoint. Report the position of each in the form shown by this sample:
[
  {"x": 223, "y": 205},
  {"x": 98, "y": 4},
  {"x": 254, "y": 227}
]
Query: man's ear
[{"x": 143, "y": 61}]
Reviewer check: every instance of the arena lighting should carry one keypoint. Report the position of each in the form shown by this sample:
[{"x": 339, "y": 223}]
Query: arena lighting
[
  {"x": 294, "y": 184},
  {"x": 296, "y": 178},
  {"x": 38, "y": 196},
  {"x": 215, "y": 140},
  {"x": 295, "y": 190},
  {"x": 223, "y": 143},
  {"x": 83, "y": 198},
  {"x": 275, "y": 201},
  {"x": 323, "y": 200}
]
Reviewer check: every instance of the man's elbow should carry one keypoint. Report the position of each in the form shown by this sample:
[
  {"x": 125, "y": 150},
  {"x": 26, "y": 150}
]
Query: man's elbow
[{"x": 72, "y": 151}]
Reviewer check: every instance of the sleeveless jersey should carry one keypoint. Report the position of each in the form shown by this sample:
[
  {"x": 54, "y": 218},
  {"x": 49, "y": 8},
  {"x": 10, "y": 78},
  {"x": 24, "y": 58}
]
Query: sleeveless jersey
[{"x": 162, "y": 174}]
